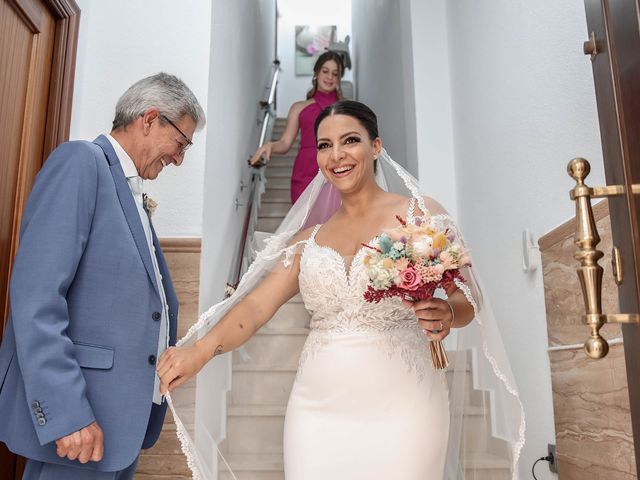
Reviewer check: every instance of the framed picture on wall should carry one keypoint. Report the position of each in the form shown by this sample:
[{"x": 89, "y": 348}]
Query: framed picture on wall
[{"x": 311, "y": 42}]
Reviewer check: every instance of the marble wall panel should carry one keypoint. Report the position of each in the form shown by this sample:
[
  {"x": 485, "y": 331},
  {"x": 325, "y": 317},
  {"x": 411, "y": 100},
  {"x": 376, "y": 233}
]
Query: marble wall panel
[
  {"x": 590, "y": 397},
  {"x": 165, "y": 460}
]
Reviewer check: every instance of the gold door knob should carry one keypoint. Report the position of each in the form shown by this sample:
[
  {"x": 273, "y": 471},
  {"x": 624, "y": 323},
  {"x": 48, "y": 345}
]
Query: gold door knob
[{"x": 590, "y": 272}]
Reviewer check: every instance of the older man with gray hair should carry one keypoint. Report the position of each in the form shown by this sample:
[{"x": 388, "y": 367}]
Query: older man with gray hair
[{"x": 92, "y": 303}]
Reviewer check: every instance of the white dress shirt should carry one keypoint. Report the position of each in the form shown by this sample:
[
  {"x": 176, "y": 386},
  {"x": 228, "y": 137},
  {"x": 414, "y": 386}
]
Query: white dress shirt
[{"x": 136, "y": 185}]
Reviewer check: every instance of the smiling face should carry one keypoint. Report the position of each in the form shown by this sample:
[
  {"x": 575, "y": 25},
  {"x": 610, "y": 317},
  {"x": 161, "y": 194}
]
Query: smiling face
[
  {"x": 346, "y": 153},
  {"x": 328, "y": 76},
  {"x": 163, "y": 144}
]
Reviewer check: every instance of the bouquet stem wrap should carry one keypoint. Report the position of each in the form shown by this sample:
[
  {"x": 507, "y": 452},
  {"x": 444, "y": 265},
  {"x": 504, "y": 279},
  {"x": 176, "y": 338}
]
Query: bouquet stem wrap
[{"x": 438, "y": 355}]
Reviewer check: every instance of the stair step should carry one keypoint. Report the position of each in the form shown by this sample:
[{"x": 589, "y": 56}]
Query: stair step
[
  {"x": 146, "y": 476},
  {"x": 279, "y": 182},
  {"x": 281, "y": 161},
  {"x": 248, "y": 367},
  {"x": 262, "y": 462},
  {"x": 272, "y": 348},
  {"x": 269, "y": 225},
  {"x": 256, "y": 411},
  {"x": 280, "y": 127},
  {"x": 152, "y": 465},
  {"x": 223, "y": 475},
  {"x": 265, "y": 386},
  {"x": 274, "y": 209},
  {"x": 259, "y": 428},
  {"x": 292, "y": 314},
  {"x": 276, "y": 195},
  {"x": 252, "y": 466},
  {"x": 273, "y": 171},
  {"x": 488, "y": 460},
  {"x": 289, "y": 156},
  {"x": 247, "y": 434},
  {"x": 488, "y": 467}
]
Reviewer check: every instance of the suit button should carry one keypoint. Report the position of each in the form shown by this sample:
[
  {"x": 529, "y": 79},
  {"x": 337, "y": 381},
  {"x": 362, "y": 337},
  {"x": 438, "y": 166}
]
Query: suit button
[
  {"x": 42, "y": 422},
  {"x": 35, "y": 405},
  {"x": 38, "y": 410},
  {"x": 152, "y": 359},
  {"x": 156, "y": 316}
]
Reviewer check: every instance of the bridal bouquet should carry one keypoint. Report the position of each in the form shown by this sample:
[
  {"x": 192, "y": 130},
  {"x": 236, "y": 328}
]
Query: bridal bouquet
[{"x": 411, "y": 262}]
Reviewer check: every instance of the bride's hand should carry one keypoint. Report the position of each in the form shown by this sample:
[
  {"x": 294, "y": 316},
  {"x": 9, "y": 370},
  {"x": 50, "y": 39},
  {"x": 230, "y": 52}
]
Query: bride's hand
[
  {"x": 262, "y": 152},
  {"x": 434, "y": 317},
  {"x": 179, "y": 364}
]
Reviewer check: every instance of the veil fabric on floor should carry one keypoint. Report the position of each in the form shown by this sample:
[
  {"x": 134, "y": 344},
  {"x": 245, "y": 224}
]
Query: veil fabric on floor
[{"x": 487, "y": 424}]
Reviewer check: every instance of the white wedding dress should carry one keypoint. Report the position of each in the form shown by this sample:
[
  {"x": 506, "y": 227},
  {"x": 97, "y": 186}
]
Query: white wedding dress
[{"x": 366, "y": 403}]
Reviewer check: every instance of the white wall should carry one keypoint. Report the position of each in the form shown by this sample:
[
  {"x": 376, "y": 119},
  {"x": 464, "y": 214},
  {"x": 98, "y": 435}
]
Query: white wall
[
  {"x": 292, "y": 88},
  {"x": 399, "y": 45},
  {"x": 384, "y": 73},
  {"x": 242, "y": 39},
  {"x": 122, "y": 41},
  {"x": 432, "y": 93},
  {"x": 523, "y": 105}
]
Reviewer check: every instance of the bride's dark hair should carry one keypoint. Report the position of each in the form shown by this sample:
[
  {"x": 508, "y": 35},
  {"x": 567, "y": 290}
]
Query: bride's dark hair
[
  {"x": 357, "y": 110},
  {"x": 363, "y": 114}
]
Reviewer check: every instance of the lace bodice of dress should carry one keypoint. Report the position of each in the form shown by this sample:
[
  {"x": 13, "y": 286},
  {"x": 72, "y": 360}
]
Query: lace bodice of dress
[{"x": 334, "y": 296}]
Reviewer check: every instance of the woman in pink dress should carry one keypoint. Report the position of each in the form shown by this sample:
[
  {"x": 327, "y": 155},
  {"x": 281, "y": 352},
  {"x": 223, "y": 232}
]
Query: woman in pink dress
[{"x": 328, "y": 71}]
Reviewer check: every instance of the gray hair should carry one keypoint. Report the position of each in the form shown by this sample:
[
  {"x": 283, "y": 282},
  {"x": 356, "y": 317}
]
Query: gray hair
[{"x": 165, "y": 92}]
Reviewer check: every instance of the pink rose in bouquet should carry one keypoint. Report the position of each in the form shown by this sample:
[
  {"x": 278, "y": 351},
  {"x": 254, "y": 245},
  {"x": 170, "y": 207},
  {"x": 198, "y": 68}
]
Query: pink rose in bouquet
[{"x": 410, "y": 279}]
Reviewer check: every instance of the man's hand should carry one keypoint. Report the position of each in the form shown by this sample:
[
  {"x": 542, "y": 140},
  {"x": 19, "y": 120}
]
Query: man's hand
[{"x": 83, "y": 445}]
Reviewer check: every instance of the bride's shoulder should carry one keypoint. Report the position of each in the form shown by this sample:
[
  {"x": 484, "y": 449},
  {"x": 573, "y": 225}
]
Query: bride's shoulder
[
  {"x": 434, "y": 207},
  {"x": 431, "y": 204},
  {"x": 302, "y": 235}
]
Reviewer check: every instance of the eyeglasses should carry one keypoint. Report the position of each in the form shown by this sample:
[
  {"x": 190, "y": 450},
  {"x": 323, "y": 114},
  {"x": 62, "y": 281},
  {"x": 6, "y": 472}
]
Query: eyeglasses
[{"x": 185, "y": 147}]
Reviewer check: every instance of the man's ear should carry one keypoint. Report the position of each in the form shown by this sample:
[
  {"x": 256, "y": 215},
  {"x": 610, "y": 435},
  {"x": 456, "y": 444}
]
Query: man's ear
[{"x": 148, "y": 118}]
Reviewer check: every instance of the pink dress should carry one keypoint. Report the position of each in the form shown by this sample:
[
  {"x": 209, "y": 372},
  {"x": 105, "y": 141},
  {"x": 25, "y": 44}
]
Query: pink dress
[{"x": 305, "y": 167}]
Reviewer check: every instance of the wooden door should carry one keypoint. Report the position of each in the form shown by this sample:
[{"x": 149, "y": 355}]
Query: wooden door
[
  {"x": 37, "y": 63},
  {"x": 615, "y": 28}
]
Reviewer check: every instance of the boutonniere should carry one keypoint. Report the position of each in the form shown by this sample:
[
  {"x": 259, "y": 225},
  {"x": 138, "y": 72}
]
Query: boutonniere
[{"x": 149, "y": 204}]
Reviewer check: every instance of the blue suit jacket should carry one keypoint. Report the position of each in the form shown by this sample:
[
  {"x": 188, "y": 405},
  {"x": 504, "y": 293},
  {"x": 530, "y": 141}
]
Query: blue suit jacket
[{"x": 83, "y": 331}]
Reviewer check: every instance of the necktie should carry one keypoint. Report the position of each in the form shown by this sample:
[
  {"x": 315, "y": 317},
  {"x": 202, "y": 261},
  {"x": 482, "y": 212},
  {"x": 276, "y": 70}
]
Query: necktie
[{"x": 135, "y": 183}]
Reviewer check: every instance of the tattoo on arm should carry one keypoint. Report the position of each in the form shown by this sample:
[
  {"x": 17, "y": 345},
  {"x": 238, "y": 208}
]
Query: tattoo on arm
[{"x": 218, "y": 351}]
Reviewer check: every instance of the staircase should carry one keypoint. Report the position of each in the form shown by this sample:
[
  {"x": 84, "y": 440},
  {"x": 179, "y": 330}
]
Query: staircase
[{"x": 261, "y": 382}]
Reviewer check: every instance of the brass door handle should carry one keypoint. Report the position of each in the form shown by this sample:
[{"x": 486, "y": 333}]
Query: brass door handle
[
  {"x": 616, "y": 265},
  {"x": 590, "y": 272}
]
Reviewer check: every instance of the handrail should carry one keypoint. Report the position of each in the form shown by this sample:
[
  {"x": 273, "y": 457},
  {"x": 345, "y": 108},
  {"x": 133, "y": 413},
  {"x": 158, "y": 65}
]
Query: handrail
[
  {"x": 270, "y": 101},
  {"x": 257, "y": 187}
]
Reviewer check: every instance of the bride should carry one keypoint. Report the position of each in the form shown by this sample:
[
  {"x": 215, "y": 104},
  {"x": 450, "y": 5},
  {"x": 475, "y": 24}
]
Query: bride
[{"x": 366, "y": 402}]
